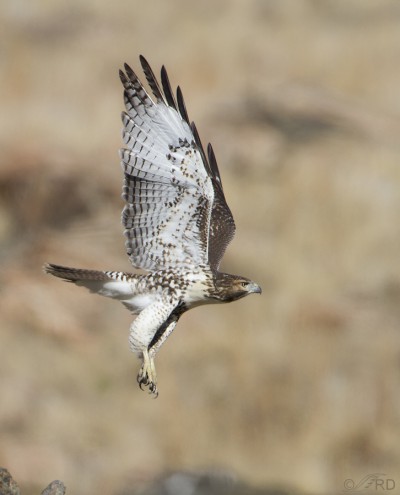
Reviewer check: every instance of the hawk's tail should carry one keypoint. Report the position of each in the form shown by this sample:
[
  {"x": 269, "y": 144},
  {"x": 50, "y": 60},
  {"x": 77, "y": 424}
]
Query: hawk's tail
[
  {"x": 74, "y": 274},
  {"x": 118, "y": 285}
]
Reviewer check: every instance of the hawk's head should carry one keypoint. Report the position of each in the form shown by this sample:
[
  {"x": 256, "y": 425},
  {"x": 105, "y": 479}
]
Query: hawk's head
[{"x": 231, "y": 287}]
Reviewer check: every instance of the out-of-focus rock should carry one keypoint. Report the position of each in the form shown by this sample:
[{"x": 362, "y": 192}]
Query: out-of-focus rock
[{"x": 7, "y": 485}]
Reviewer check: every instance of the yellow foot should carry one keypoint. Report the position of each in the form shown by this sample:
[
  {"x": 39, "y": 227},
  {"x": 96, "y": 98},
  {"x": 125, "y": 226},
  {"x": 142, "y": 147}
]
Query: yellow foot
[{"x": 147, "y": 376}]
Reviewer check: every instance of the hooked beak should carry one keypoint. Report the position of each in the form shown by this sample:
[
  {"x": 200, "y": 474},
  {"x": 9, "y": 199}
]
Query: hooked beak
[{"x": 254, "y": 288}]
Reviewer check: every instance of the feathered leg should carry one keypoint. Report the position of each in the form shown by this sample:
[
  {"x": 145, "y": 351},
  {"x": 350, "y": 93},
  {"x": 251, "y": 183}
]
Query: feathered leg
[
  {"x": 147, "y": 375},
  {"x": 143, "y": 332}
]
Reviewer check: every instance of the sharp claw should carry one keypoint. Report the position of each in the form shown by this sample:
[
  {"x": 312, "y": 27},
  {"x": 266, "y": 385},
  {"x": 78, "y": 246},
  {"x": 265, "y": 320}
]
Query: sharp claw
[
  {"x": 153, "y": 390},
  {"x": 144, "y": 382}
]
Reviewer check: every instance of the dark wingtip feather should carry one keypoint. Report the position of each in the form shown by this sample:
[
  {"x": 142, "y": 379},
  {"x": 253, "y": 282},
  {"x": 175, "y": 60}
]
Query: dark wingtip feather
[
  {"x": 181, "y": 105},
  {"x": 213, "y": 163},
  {"x": 130, "y": 72},
  {"x": 143, "y": 60},
  {"x": 167, "y": 88},
  {"x": 164, "y": 94},
  {"x": 122, "y": 76},
  {"x": 200, "y": 147},
  {"x": 151, "y": 79}
]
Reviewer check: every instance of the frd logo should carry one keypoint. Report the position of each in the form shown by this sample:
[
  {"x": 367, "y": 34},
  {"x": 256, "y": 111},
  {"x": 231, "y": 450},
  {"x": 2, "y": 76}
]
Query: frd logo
[{"x": 378, "y": 482}]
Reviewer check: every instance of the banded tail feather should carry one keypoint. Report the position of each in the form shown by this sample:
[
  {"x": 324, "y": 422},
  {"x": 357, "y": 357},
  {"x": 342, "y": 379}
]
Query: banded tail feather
[
  {"x": 75, "y": 274},
  {"x": 117, "y": 285}
]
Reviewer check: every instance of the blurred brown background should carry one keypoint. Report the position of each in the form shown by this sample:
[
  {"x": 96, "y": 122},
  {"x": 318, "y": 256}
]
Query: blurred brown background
[{"x": 298, "y": 389}]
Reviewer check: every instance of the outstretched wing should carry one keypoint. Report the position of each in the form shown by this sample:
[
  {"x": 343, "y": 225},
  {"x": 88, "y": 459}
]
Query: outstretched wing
[{"x": 176, "y": 212}]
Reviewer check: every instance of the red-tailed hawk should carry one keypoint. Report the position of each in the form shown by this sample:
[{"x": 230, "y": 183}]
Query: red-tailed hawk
[{"x": 177, "y": 222}]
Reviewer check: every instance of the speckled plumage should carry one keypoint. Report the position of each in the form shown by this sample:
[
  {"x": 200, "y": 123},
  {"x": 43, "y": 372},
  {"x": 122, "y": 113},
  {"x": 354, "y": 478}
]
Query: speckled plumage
[{"x": 176, "y": 221}]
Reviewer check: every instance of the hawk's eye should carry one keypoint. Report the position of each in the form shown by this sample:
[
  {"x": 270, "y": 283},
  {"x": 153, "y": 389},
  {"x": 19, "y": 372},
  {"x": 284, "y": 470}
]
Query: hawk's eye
[{"x": 244, "y": 285}]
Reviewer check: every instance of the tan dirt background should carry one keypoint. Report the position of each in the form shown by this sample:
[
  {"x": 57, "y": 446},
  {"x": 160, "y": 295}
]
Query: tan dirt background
[{"x": 298, "y": 389}]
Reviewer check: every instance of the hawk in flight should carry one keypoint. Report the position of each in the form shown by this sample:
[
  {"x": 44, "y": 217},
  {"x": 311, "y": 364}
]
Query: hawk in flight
[{"x": 176, "y": 219}]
